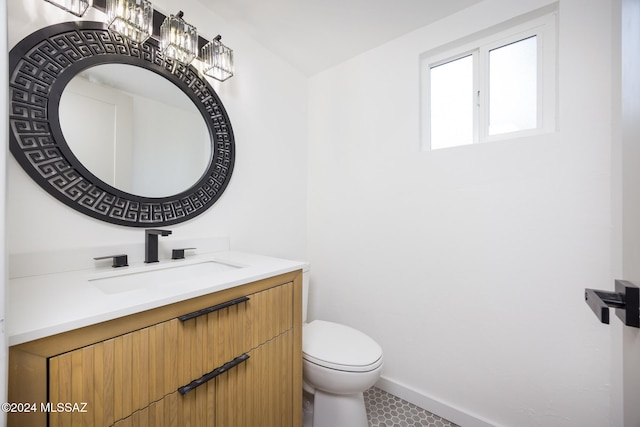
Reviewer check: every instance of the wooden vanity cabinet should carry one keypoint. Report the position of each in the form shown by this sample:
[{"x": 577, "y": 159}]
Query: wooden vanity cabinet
[{"x": 231, "y": 358}]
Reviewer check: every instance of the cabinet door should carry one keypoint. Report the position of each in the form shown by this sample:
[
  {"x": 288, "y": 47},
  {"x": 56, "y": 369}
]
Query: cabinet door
[
  {"x": 117, "y": 376},
  {"x": 260, "y": 391},
  {"x": 257, "y": 392}
]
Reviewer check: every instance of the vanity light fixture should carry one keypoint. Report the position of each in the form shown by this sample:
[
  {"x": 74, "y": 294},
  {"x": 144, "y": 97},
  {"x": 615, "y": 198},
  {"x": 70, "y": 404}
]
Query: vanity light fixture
[
  {"x": 178, "y": 39},
  {"x": 217, "y": 59},
  {"x": 76, "y": 7},
  {"x": 131, "y": 18}
]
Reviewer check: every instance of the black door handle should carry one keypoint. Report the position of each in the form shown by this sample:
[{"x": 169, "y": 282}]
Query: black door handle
[{"x": 626, "y": 301}]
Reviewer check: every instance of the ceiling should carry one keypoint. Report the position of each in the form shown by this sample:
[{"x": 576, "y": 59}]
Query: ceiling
[{"x": 314, "y": 35}]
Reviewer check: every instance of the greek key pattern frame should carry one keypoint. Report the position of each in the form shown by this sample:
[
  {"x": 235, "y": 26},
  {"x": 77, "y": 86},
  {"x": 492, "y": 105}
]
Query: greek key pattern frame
[{"x": 40, "y": 67}]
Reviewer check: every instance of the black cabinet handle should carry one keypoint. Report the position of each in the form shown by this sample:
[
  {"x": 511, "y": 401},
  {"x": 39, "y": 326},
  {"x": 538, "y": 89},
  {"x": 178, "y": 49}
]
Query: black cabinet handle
[
  {"x": 626, "y": 301},
  {"x": 208, "y": 310},
  {"x": 211, "y": 375}
]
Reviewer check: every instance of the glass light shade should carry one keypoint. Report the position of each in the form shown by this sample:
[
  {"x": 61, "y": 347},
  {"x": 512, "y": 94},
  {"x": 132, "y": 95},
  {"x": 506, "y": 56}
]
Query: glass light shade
[
  {"x": 76, "y": 7},
  {"x": 178, "y": 39},
  {"x": 217, "y": 59},
  {"x": 131, "y": 18}
]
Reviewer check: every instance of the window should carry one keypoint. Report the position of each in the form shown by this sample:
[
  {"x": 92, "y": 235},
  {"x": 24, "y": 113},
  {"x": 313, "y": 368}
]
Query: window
[
  {"x": 501, "y": 86},
  {"x": 452, "y": 112}
]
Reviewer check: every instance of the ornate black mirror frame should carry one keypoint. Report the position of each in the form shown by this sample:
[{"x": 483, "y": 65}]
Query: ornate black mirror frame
[{"x": 41, "y": 65}]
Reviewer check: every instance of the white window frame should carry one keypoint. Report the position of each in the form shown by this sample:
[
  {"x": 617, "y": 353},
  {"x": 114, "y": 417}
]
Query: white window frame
[{"x": 544, "y": 29}]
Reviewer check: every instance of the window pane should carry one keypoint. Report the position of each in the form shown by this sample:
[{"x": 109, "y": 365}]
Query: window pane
[
  {"x": 452, "y": 103},
  {"x": 513, "y": 87}
]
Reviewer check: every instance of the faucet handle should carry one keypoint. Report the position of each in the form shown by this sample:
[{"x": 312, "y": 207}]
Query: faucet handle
[
  {"x": 120, "y": 260},
  {"x": 157, "y": 232},
  {"x": 179, "y": 253}
]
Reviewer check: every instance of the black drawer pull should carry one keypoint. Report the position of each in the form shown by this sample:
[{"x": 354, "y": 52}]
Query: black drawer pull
[
  {"x": 211, "y": 375},
  {"x": 208, "y": 310}
]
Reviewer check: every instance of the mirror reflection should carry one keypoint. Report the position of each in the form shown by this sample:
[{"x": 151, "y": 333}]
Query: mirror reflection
[{"x": 135, "y": 130}]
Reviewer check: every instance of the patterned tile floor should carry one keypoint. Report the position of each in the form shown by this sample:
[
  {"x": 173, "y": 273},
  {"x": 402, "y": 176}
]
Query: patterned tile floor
[{"x": 384, "y": 409}]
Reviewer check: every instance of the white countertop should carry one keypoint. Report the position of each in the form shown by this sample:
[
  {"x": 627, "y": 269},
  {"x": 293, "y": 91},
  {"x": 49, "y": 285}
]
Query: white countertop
[{"x": 48, "y": 304}]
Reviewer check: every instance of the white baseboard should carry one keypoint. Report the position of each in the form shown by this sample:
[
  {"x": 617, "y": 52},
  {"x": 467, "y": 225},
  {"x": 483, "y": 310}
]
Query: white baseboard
[{"x": 434, "y": 406}]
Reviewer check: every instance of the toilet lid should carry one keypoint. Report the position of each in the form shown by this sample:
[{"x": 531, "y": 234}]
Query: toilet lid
[{"x": 339, "y": 347}]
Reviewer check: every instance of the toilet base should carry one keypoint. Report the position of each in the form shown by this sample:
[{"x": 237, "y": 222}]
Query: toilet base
[{"x": 344, "y": 410}]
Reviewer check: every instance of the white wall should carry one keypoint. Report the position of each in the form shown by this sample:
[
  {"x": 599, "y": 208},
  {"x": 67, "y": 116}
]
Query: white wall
[
  {"x": 263, "y": 208},
  {"x": 468, "y": 265},
  {"x": 3, "y": 156}
]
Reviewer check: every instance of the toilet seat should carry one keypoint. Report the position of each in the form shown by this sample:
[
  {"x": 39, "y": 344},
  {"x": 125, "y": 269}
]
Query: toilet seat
[{"x": 339, "y": 347}]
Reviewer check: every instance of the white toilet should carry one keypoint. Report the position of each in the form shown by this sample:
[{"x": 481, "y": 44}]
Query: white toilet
[{"x": 339, "y": 363}]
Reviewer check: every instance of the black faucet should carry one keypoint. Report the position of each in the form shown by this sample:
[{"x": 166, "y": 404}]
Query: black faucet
[{"x": 151, "y": 244}]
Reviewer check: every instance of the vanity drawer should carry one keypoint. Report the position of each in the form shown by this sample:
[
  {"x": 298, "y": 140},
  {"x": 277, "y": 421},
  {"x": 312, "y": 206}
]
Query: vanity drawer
[
  {"x": 210, "y": 340},
  {"x": 122, "y": 375},
  {"x": 224, "y": 401}
]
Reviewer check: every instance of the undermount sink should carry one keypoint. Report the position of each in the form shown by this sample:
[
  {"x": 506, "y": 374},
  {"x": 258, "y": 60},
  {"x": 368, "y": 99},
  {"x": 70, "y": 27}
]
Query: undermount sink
[{"x": 156, "y": 276}]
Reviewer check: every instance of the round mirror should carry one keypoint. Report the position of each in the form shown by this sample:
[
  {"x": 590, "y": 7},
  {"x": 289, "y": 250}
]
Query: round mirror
[
  {"x": 134, "y": 130},
  {"x": 175, "y": 160}
]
